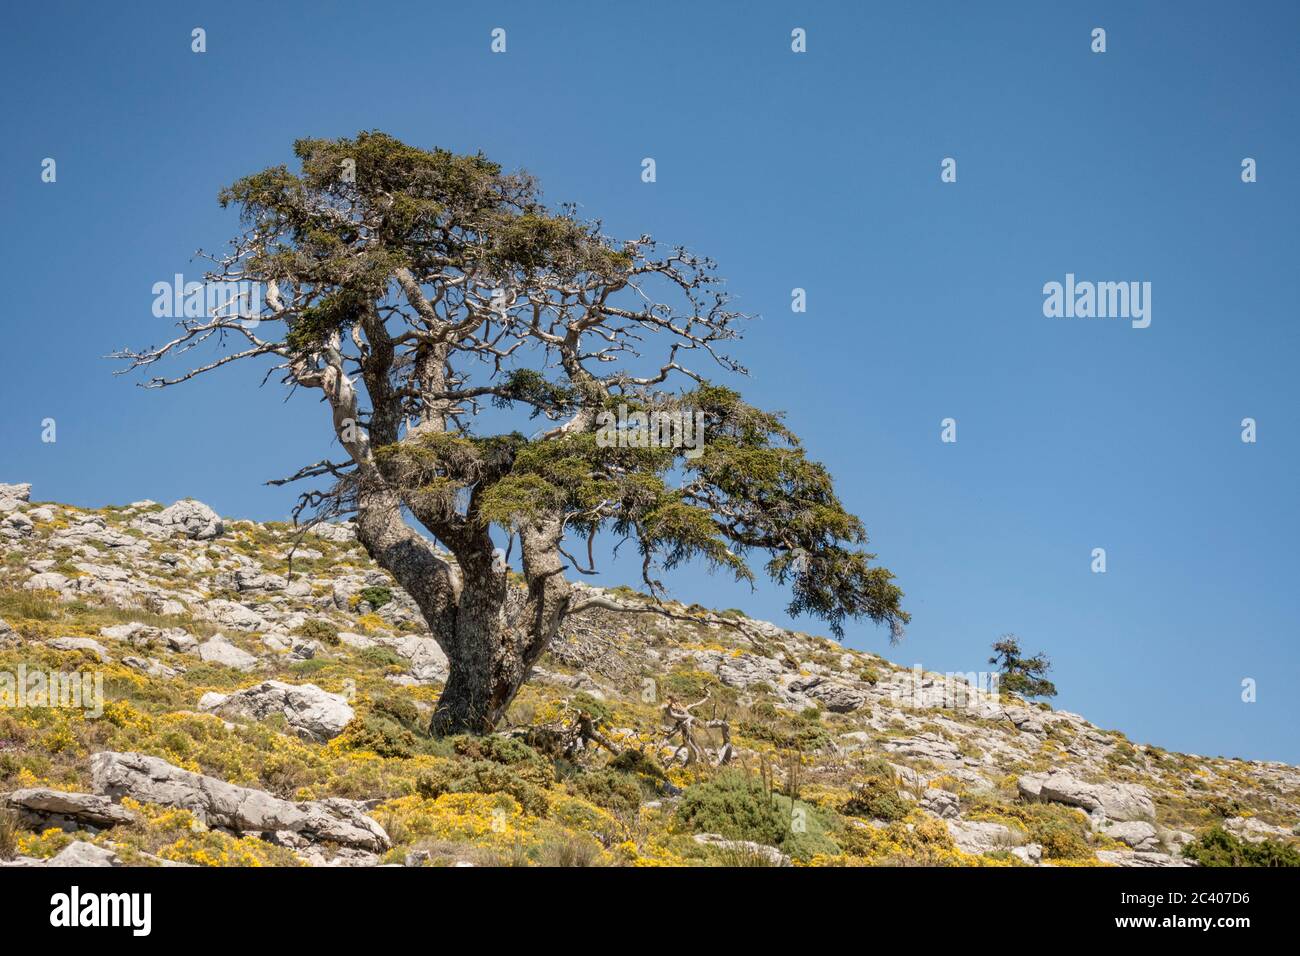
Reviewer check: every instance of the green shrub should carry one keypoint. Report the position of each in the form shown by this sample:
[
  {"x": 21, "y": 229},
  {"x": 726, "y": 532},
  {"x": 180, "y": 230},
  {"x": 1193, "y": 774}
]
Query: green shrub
[
  {"x": 619, "y": 792},
  {"x": 1061, "y": 842},
  {"x": 380, "y": 656},
  {"x": 380, "y": 734},
  {"x": 317, "y": 630},
  {"x": 809, "y": 830},
  {"x": 733, "y": 805},
  {"x": 376, "y": 597},
  {"x": 481, "y": 776},
  {"x": 876, "y": 795},
  {"x": 1218, "y": 847},
  {"x": 507, "y": 751}
]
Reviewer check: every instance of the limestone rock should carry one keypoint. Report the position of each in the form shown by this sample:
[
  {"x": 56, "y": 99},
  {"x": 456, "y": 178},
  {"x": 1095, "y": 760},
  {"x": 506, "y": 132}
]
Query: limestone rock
[
  {"x": 233, "y": 615},
  {"x": 46, "y": 581},
  {"x": 54, "y": 807},
  {"x": 20, "y": 493},
  {"x": 1114, "y": 801},
  {"x": 1121, "y": 858},
  {"x": 187, "y": 518},
  {"x": 941, "y": 803},
  {"x": 241, "y": 809},
  {"x": 80, "y": 644},
  {"x": 836, "y": 696},
  {"x": 975, "y": 836},
  {"x": 310, "y": 711},
  {"x": 218, "y": 650},
  {"x": 1253, "y": 830},
  {"x": 82, "y": 853},
  {"x": 1137, "y": 834}
]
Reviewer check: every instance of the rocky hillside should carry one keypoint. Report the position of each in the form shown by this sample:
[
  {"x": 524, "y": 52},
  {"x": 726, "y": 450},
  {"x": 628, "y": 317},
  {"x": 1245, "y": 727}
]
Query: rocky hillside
[{"x": 234, "y": 693}]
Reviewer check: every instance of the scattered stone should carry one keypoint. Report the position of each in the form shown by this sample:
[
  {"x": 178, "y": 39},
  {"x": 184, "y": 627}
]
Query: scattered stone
[
  {"x": 80, "y": 644},
  {"x": 929, "y": 746},
  {"x": 427, "y": 662},
  {"x": 1137, "y": 834},
  {"x": 46, "y": 581},
  {"x": 338, "y": 533},
  {"x": 218, "y": 650},
  {"x": 233, "y": 615},
  {"x": 1031, "y": 853},
  {"x": 1122, "y": 858},
  {"x": 941, "y": 803},
  {"x": 20, "y": 493},
  {"x": 82, "y": 853},
  {"x": 151, "y": 666}
]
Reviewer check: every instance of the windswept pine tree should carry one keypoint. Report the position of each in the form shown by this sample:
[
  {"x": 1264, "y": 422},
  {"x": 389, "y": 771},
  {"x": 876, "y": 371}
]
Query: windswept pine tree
[
  {"x": 1019, "y": 674},
  {"x": 416, "y": 290}
]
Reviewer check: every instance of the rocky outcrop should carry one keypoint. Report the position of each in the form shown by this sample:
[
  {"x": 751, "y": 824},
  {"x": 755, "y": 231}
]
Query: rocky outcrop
[
  {"x": 218, "y": 650},
  {"x": 232, "y": 615},
  {"x": 1137, "y": 834},
  {"x": 13, "y": 497},
  {"x": 39, "y": 806},
  {"x": 1254, "y": 831},
  {"x": 836, "y": 696},
  {"x": 187, "y": 519},
  {"x": 239, "y": 809},
  {"x": 1114, "y": 801},
  {"x": 311, "y": 712},
  {"x": 954, "y": 746},
  {"x": 974, "y": 836},
  {"x": 87, "y": 644}
]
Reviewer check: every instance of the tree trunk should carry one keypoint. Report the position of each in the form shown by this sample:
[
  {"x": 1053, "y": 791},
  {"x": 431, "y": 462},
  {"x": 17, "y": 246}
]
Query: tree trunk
[
  {"x": 492, "y": 634},
  {"x": 486, "y": 669},
  {"x": 498, "y": 640}
]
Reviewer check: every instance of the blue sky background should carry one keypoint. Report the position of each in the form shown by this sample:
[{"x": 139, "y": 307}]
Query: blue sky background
[{"x": 820, "y": 171}]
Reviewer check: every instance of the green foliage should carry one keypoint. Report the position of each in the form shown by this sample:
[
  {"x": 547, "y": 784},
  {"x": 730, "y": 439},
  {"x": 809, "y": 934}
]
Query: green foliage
[
  {"x": 1218, "y": 847},
  {"x": 875, "y": 796},
  {"x": 318, "y": 630},
  {"x": 611, "y": 789},
  {"x": 482, "y": 776},
  {"x": 636, "y": 762},
  {"x": 1061, "y": 841},
  {"x": 810, "y": 831},
  {"x": 600, "y": 712},
  {"x": 507, "y": 751},
  {"x": 376, "y": 597},
  {"x": 380, "y": 656},
  {"x": 1022, "y": 675},
  {"x": 735, "y": 806}
]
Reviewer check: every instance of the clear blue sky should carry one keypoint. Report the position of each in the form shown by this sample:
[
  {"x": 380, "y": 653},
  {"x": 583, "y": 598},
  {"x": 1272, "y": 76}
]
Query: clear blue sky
[{"x": 820, "y": 171}]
